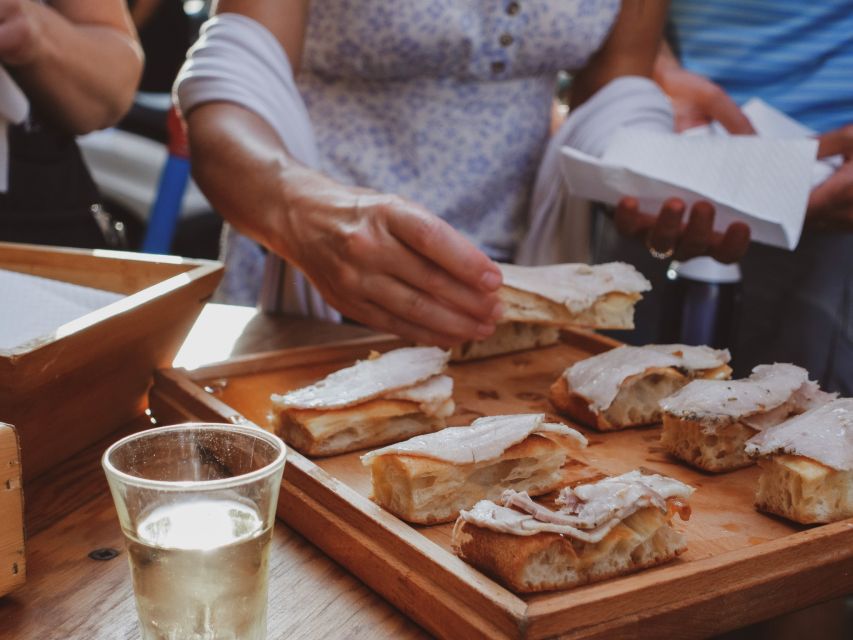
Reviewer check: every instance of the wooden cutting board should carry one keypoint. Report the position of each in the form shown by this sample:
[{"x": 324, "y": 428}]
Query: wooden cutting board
[{"x": 741, "y": 566}]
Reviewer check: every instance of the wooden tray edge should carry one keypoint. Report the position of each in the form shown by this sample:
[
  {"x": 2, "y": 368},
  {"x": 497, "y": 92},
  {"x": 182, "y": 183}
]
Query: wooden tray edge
[{"x": 176, "y": 396}]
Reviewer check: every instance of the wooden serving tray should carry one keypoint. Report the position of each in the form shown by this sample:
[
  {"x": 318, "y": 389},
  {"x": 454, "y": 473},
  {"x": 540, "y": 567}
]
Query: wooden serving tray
[{"x": 741, "y": 566}]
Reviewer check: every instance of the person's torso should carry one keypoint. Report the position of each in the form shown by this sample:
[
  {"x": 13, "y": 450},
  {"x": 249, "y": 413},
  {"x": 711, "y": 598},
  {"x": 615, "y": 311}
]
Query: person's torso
[
  {"x": 446, "y": 102},
  {"x": 797, "y": 56}
]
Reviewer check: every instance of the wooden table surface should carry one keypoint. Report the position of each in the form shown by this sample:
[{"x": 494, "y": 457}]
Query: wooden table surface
[{"x": 69, "y": 514}]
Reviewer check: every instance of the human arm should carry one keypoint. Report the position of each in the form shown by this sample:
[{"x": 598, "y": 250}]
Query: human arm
[
  {"x": 377, "y": 258},
  {"x": 831, "y": 202},
  {"x": 696, "y": 100},
  {"x": 141, "y": 11},
  {"x": 631, "y": 50},
  {"x": 77, "y": 61}
]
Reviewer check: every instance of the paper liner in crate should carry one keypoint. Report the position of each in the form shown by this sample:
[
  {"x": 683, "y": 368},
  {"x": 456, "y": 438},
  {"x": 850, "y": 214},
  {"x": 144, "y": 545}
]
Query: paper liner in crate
[{"x": 41, "y": 306}]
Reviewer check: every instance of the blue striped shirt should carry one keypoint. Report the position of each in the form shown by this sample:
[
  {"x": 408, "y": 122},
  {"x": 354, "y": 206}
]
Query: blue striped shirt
[{"x": 795, "y": 55}]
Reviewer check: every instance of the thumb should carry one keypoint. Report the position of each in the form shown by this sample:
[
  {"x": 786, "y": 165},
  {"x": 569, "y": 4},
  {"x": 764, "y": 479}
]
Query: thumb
[
  {"x": 727, "y": 113},
  {"x": 836, "y": 142}
]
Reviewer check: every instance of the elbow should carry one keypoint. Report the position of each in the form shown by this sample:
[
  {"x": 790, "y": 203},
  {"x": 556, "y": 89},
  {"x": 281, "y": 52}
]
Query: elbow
[{"x": 109, "y": 108}]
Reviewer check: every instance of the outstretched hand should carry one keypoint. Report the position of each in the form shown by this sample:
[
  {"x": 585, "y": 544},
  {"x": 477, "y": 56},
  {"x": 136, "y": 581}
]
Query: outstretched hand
[
  {"x": 697, "y": 101},
  {"x": 831, "y": 202},
  {"x": 667, "y": 235},
  {"x": 391, "y": 264}
]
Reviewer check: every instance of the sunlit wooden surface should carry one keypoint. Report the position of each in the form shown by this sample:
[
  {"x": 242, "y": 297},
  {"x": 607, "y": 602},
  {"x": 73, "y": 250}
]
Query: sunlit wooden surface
[{"x": 69, "y": 514}]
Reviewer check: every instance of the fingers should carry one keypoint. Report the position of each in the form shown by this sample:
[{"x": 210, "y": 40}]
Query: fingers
[
  {"x": 419, "y": 308},
  {"x": 839, "y": 141},
  {"x": 440, "y": 243},
  {"x": 698, "y": 234},
  {"x": 427, "y": 277},
  {"x": 664, "y": 235},
  {"x": 831, "y": 203},
  {"x": 628, "y": 219},
  {"x": 380, "y": 319},
  {"x": 727, "y": 113},
  {"x": 733, "y": 244}
]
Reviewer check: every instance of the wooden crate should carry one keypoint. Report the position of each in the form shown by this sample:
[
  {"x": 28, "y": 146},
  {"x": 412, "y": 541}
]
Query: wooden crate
[
  {"x": 741, "y": 566},
  {"x": 72, "y": 388},
  {"x": 13, "y": 565}
]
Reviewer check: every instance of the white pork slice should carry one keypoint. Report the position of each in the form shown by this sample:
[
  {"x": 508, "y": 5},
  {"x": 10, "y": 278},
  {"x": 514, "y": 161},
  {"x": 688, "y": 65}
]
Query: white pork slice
[
  {"x": 588, "y": 512},
  {"x": 808, "y": 396},
  {"x": 484, "y": 439},
  {"x": 368, "y": 379},
  {"x": 824, "y": 434},
  {"x": 577, "y": 286},
  {"x": 432, "y": 396},
  {"x": 599, "y": 378},
  {"x": 769, "y": 386}
]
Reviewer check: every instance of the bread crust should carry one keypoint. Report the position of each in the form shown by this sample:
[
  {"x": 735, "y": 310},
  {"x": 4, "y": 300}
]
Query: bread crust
[
  {"x": 373, "y": 423},
  {"x": 718, "y": 450},
  {"x": 428, "y": 491},
  {"x": 574, "y": 406},
  {"x": 804, "y": 490},
  {"x": 549, "y": 561},
  {"x": 508, "y": 337},
  {"x": 613, "y": 310}
]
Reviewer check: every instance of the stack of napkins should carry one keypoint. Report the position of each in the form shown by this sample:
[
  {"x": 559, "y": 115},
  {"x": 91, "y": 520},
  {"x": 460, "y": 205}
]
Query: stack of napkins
[
  {"x": 763, "y": 181},
  {"x": 35, "y": 307}
]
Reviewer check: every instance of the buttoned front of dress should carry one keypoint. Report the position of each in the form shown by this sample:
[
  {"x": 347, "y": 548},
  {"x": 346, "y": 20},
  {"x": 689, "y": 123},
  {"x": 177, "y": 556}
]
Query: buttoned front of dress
[{"x": 444, "y": 102}]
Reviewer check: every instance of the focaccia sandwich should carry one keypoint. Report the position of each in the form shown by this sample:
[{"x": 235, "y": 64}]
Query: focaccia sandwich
[
  {"x": 708, "y": 422},
  {"x": 807, "y": 465},
  {"x": 622, "y": 387},
  {"x": 429, "y": 478},
  {"x": 386, "y": 398},
  {"x": 539, "y": 301},
  {"x": 597, "y": 531}
]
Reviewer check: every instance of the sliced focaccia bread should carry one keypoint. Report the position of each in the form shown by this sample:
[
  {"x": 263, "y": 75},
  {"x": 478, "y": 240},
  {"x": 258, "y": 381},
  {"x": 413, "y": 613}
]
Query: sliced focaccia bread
[
  {"x": 807, "y": 465},
  {"x": 507, "y": 338},
  {"x": 429, "y": 478},
  {"x": 386, "y": 398},
  {"x": 622, "y": 387},
  {"x": 559, "y": 296},
  {"x": 596, "y": 531},
  {"x": 708, "y": 422}
]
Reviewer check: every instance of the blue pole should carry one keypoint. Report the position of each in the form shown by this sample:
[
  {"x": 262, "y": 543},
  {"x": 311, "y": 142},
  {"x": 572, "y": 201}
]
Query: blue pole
[{"x": 166, "y": 209}]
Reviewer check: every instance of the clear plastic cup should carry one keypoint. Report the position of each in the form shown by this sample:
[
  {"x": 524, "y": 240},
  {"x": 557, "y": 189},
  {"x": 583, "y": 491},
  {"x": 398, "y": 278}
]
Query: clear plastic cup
[{"x": 197, "y": 505}]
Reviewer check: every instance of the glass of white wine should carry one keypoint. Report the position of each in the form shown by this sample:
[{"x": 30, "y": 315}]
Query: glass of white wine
[{"x": 197, "y": 504}]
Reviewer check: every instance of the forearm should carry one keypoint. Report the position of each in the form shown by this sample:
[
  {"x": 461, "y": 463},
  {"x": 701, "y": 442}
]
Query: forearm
[
  {"x": 630, "y": 49},
  {"x": 246, "y": 173},
  {"x": 83, "y": 76}
]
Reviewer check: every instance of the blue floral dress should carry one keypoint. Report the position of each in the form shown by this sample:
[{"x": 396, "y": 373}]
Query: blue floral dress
[{"x": 444, "y": 102}]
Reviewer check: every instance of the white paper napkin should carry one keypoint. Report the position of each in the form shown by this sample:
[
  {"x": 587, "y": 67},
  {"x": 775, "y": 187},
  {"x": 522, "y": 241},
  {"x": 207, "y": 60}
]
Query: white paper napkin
[
  {"x": 762, "y": 181},
  {"x": 32, "y": 307}
]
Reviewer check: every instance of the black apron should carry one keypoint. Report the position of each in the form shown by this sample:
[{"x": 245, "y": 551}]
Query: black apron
[{"x": 51, "y": 198}]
